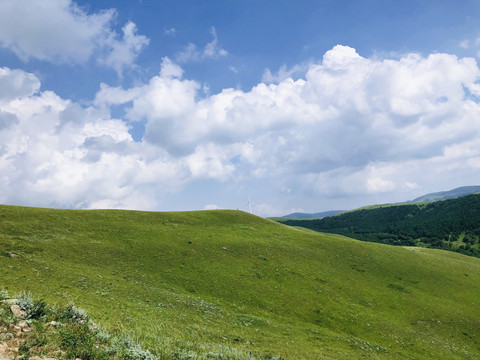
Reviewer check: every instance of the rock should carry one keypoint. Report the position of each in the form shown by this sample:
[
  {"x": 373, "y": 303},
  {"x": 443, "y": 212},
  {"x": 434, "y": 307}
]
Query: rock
[
  {"x": 22, "y": 324},
  {"x": 17, "y": 329},
  {"x": 9, "y": 301},
  {"x": 17, "y": 311}
]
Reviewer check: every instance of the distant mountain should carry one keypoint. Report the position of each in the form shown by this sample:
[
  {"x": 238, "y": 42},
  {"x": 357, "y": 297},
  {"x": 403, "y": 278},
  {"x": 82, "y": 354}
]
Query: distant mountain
[
  {"x": 451, "y": 224},
  {"x": 319, "y": 215},
  {"x": 451, "y": 194}
]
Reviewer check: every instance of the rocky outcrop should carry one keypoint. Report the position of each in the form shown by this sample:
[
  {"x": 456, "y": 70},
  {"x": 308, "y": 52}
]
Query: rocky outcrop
[
  {"x": 18, "y": 312},
  {"x": 11, "y": 337}
]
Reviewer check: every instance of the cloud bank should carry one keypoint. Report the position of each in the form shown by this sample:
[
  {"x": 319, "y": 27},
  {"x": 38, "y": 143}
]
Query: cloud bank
[
  {"x": 60, "y": 31},
  {"x": 351, "y": 125}
]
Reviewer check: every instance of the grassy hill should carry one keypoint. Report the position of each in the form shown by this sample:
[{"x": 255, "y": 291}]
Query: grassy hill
[
  {"x": 229, "y": 285},
  {"x": 449, "y": 224}
]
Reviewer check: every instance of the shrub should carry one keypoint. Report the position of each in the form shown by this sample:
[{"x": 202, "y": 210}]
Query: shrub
[
  {"x": 136, "y": 352},
  {"x": 35, "y": 309},
  {"x": 4, "y": 294},
  {"x": 38, "y": 310},
  {"x": 102, "y": 335},
  {"x": 71, "y": 313},
  {"x": 24, "y": 348},
  {"x": 128, "y": 349},
  {"x": 78, "y": 340},
  {"x": 24, "y": 300}
]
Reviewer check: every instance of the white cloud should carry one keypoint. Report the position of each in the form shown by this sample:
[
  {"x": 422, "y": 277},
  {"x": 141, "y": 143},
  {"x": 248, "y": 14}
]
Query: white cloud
[
  {"x": 211, "y": 51},
  {"x": 170, "y": 32},
  {"x": 348, "y": 112},
  {"x": 170, "y": 69},
  {"x": 17, "y": 83},
  {"x": 284, "y": 73},
  {"x": 189, "y": 53},
  {"x": 352, "y": 125},
  {"x": 210, "y": 207},
  {"x": 60, "y": 31},
  {"x": 464, "y": 44},
  {"x": 56, "y": 153},
  {"x": 123, "y": 53}
]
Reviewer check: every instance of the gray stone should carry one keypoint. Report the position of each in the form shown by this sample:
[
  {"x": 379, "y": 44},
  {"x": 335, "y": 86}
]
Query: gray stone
[{"x": 17, "y": 311}]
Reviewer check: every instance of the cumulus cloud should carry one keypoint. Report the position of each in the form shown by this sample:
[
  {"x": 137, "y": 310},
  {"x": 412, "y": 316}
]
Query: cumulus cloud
[
  {"x": 170, "y": 69},
  {"x": 60, "y": 31},
  {"x": 347, "y": 127},
  {"x": 211, "y": 51},
  {"x": 17, "y": 83},
  {"x": 122, "y": 53},
  {"x": 56, "y": 153},
  {"x": 351, "y": 125}
]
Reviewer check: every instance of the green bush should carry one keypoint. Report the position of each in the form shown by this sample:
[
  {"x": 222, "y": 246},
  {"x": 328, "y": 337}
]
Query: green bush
[
  {"x": 35, "y": 309},
  {"x": 4, "y": 294},
  {"x": 71, "y": 313},
  {"x": 128, "y": 349},
  {"x": 78, "y": 340}
]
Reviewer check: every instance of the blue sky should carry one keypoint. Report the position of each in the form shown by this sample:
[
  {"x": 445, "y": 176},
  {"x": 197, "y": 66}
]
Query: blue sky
[{"x": 182, "y": 105}]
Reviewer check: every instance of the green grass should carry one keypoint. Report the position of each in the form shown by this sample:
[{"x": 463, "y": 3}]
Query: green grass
[{"x": 229, "y": 285}]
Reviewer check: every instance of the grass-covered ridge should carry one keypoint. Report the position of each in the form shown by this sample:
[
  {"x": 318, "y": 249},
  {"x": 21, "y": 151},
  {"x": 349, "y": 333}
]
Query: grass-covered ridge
[{"x": 226, "y": 284}]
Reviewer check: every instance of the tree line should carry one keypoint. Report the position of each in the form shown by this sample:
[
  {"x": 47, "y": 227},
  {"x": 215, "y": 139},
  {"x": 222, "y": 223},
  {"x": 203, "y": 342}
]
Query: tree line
[{"x": 449, "y": 224}]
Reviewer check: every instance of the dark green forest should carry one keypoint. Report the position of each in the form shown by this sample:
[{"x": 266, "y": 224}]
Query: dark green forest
[{"x": 449, "y": 224}]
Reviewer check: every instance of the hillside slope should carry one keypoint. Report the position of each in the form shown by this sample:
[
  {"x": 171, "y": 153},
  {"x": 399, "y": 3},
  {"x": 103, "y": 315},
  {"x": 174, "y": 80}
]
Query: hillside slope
[
  {"x": 449, "y": 224},
  {"x": 227, "y": 285}
]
